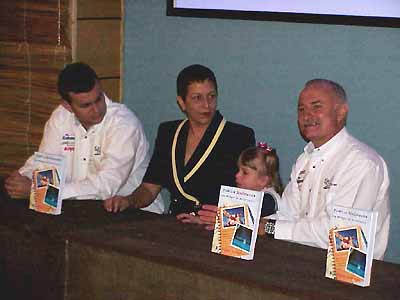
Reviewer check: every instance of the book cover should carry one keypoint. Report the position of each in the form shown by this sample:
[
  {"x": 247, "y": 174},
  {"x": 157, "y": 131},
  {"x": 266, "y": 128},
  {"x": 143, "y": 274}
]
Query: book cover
[
  {"x": 47, "y": 183},
  {"x": 351, "y": 245},
  {"x": 237, "y": 221}
]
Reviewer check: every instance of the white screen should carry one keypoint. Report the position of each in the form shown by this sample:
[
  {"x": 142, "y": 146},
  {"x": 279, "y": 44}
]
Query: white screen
[{"x": 370, "y": 8}]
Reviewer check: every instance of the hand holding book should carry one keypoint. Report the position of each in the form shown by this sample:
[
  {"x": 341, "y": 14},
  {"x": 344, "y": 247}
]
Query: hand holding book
[
  {"x": 237, "y": 222},
  {"x": 208, "y": 214},
  {"x": 47, "y": 183}
]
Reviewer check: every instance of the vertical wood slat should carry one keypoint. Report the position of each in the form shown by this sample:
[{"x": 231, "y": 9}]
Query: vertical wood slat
[
  {"x": 111, "y": 87},
  {"x": 99, "y": 8},
  {"x": 98, "y": 45},
  {"x": 98, "y": 40}
]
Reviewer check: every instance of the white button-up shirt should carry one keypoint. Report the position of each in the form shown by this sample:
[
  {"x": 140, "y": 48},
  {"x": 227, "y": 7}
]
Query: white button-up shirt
[
  {"x": 342, "y": 172},
  {"x": 108, "y": 159}
]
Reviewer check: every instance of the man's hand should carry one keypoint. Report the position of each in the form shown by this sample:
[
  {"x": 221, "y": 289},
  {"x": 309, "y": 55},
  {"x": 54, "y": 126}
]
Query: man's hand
[
  {"x": 116, "y": 204},
  {"x": 143, "y": 196},
  {"x": 18, "y": 186},
  {"x": 208, "y": 214}
]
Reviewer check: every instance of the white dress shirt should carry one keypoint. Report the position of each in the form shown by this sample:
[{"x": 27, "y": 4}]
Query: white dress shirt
[
  {"x": 342, "y": 172},
  {"x": 110, "y": 158}
]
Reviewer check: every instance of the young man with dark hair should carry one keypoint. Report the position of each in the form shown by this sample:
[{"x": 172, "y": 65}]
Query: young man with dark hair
[{"x": 103, "y": 142}]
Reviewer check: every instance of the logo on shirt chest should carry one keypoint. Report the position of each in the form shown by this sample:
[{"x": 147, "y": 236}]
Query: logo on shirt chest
[
  {"x": 97, "y": 150},
  {"x": 68, "y": 142},
  {"x": 300, "y": 178},
  {"x": 328, "y": 184}
]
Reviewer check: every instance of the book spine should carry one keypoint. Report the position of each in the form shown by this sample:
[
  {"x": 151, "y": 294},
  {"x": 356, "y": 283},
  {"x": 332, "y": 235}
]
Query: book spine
[
  {"x": 330, "y": 258},
  {"x": 217, "y": 236}
]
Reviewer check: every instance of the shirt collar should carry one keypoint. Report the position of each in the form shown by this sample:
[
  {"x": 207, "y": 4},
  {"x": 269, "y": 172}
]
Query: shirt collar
[{"x": 329, "y": 146}]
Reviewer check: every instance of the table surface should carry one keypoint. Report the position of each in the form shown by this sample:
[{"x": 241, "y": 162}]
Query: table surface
[
  {"x": 280, "y": 266},
  {"x": 284, "y": 267}
]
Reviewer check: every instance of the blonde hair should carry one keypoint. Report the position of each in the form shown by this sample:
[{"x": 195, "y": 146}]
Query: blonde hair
[{"x": 269, "y": 167}]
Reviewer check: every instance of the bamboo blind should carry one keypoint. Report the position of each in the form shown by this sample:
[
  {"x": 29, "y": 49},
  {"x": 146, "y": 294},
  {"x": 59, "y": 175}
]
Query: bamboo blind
[{"x": 33, "y": 49}]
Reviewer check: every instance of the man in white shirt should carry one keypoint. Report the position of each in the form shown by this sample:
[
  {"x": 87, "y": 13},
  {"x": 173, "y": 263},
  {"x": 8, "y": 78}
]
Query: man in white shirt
[
  {"x": 335, "y": 169},
  {"x": 104, "y": 145}
]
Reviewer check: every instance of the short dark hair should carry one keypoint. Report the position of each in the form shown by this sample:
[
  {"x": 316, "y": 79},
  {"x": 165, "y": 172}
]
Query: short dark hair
[
  {"x": 77, "y": 78},
  {"x": 193, "y": 73}
]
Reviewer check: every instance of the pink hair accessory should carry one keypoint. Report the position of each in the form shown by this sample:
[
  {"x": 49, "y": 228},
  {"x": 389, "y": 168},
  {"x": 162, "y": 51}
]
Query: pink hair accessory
[{"x": 265, "y": 147}]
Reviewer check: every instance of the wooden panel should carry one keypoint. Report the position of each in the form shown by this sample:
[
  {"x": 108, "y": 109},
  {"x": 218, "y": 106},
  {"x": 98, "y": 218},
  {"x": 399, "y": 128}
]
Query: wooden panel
[
  {"x": 99, "y": 8},
  {"x": 98, "y": 44},
  {"x": 102, "y": 274},
  {"x": 33, "y": 21},
  {"x": 112, "y": 88}
]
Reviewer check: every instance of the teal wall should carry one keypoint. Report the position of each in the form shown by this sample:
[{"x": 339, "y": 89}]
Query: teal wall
[{"x": 261, "y": 67}]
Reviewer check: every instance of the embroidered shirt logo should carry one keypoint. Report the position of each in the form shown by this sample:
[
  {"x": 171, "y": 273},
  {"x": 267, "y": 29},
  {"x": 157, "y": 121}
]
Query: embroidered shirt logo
[
  {"x": 301, "y": 177},
  {"x": 328, "y": 184},
  {"x": 68, "y": 142},
  {"x": 97, "y": 150}
]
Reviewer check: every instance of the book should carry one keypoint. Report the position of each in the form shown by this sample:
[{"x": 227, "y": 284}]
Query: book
[
  {"x": 351, "y": 245},
  {"x": 47, "y": 183},
  {"x": 237, "y": 221}
]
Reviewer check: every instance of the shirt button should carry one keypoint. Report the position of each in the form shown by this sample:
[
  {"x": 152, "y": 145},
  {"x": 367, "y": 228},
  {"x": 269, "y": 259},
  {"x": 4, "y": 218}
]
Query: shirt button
[
  {"x": 85, "y": 136},
  {"x": 84, "y": 158}
]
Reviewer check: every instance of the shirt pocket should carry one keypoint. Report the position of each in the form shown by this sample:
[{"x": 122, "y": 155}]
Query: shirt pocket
[
  {"x": 331, "y": 197},
  {"x": 95, "y": 159}
]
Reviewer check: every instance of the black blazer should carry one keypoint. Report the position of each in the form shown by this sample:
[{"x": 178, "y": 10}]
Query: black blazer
[{"x": 218, "y": 169}]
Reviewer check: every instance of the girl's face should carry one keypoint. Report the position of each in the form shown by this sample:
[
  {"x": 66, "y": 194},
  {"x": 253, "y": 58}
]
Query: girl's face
[{"x": 248, "y": 178}]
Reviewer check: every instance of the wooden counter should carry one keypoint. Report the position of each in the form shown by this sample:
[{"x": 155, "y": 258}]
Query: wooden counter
[
  {"x": 87, "y": 253},
  {"x": 158, "y": 258},
  {"x": 32, "y": 251}
]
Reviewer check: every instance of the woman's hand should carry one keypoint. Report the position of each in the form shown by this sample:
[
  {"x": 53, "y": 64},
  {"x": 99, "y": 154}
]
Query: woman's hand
[
  {"x": 189, "y": 218},
  {"x": 205, "y": 216}
]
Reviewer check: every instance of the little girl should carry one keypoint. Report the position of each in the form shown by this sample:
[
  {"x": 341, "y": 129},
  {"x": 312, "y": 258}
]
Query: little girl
[{"x": 259, "y": 171}]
